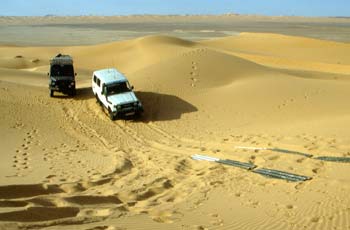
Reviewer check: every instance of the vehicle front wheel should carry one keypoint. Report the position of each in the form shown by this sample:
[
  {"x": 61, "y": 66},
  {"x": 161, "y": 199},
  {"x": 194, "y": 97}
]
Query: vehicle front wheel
[
  {"x": 111, "y": 115},
  {"x": 51, "y": 93},
  {"x": 138, "y": 114},
  {"x": 72, "y": 93},
  {"x": 98, "y": 100}
]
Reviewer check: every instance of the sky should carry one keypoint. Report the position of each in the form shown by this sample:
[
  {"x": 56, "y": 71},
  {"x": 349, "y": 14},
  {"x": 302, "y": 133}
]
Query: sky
[{"x": 129, "y": 7}]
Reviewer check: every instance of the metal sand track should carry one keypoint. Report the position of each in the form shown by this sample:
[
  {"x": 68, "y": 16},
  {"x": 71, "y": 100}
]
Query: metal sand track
[
  {"x": 322, "y": 158},
  {"x": 251, "y": 167}
]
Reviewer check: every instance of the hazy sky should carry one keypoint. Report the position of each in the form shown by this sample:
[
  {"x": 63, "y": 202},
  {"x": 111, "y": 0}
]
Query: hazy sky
[{"x": 124, "y": 7}]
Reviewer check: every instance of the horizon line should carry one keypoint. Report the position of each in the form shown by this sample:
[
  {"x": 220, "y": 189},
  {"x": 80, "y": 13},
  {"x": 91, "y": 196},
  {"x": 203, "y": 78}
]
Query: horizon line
[{"x": 182, "y": 15}]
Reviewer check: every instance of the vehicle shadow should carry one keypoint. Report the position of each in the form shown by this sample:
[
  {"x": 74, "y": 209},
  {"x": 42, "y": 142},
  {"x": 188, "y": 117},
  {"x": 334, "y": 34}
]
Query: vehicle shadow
[
  {"x": 84, "y": 93},
  {"x": 157, "y": 106},
  {"x": 81, "y": 94},
  {"x": 162, "y": 107}
]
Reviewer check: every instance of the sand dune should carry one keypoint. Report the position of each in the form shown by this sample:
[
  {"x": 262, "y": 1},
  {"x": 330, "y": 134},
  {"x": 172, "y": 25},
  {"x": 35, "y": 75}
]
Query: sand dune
[
  {"x": 66, "y": 165},
  {"x": 300, "y": 48},
  {"x": 292, "y": 52}
]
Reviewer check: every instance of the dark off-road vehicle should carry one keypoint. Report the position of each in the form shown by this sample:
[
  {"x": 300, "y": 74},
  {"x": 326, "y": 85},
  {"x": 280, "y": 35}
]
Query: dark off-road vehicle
[{"x": 62, "y": 75}]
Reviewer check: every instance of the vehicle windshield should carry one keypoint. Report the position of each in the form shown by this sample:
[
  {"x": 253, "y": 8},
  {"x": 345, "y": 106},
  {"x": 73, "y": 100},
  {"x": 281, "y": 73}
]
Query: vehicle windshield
[
  {"x": 117, "y": 88},
  {"x": 62, "y": 71}
]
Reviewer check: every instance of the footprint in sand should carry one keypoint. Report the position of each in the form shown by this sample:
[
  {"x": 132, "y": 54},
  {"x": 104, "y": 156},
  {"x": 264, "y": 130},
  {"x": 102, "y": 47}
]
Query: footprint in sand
[
  {"x": 105, "y": 227},
  {"x": 18, "y": 125},
  {"x": 22, "y": 157},
  {"x": 273, "y": 158},
  {"x": 200, "y": 227},
  {"x": 316, "y": 170},
  {"x": 35, "y": 60},
  {"x": 217, "y": 222},
  {"x": 300, "y": 160},
  {"x": 315, "y": 219},
  {"x": 253, "y": 203},
  {"x": 194, "y": 73}
]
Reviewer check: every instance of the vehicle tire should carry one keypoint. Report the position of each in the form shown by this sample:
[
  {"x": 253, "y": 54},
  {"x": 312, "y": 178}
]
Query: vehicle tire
[
  {"x": 72, "y": 93},
  {"x": 51, "y": 93},
  {"x": 98, "y": 100},
  {"x": 111, "y": 115},
  {"x": 138, "y": 115}
]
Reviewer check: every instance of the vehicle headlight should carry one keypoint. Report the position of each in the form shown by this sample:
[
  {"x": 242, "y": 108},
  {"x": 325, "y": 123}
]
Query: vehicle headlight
[
  {"x": 72, "y": 83},
  {"x": 118, "y": 107},
  {"x": 135, "y": 103}
]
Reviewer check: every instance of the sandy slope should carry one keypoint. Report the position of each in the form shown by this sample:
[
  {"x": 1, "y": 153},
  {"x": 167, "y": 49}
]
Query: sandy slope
[{"x": 66, "y": 165}]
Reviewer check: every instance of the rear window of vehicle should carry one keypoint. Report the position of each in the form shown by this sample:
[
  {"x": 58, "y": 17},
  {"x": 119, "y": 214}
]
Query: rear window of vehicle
[{"x": 62, "y": 70}]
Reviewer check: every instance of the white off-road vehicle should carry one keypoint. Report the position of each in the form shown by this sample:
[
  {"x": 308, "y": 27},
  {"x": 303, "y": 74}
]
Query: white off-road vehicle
[{"x": 113, "y": 91}]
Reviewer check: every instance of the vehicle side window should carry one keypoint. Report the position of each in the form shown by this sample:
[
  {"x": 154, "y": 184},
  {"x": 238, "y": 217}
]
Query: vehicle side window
[
  {"x": 98, "y": 82},
  {"x": 95, "y": 78}
]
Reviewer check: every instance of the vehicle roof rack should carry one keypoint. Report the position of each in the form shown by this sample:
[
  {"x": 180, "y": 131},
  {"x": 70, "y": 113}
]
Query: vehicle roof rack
[{"x": 62, "y": 59}]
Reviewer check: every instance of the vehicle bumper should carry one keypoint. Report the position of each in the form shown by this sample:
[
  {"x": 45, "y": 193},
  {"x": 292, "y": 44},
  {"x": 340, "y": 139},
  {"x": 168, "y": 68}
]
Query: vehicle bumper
[
  {"x": 68, "y": 88},
  {"x": 129, "y": 111}
]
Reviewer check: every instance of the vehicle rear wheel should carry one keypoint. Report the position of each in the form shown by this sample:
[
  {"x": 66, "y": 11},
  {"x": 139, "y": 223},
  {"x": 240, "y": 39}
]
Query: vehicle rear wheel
[{"x": 51, "y": 93}]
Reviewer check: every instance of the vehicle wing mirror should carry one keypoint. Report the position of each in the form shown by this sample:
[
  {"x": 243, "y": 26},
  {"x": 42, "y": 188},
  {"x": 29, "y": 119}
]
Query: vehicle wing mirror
[
  {"x": 75, "y": 74},
  {"x": 48, "y": 74},
  {"x": 104, "y": 91},
  {"x": 132, "y": 87}
]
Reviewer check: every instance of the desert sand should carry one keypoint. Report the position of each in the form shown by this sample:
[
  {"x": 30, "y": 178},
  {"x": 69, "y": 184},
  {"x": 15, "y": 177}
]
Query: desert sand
[{"x": 65, "y": 165}]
